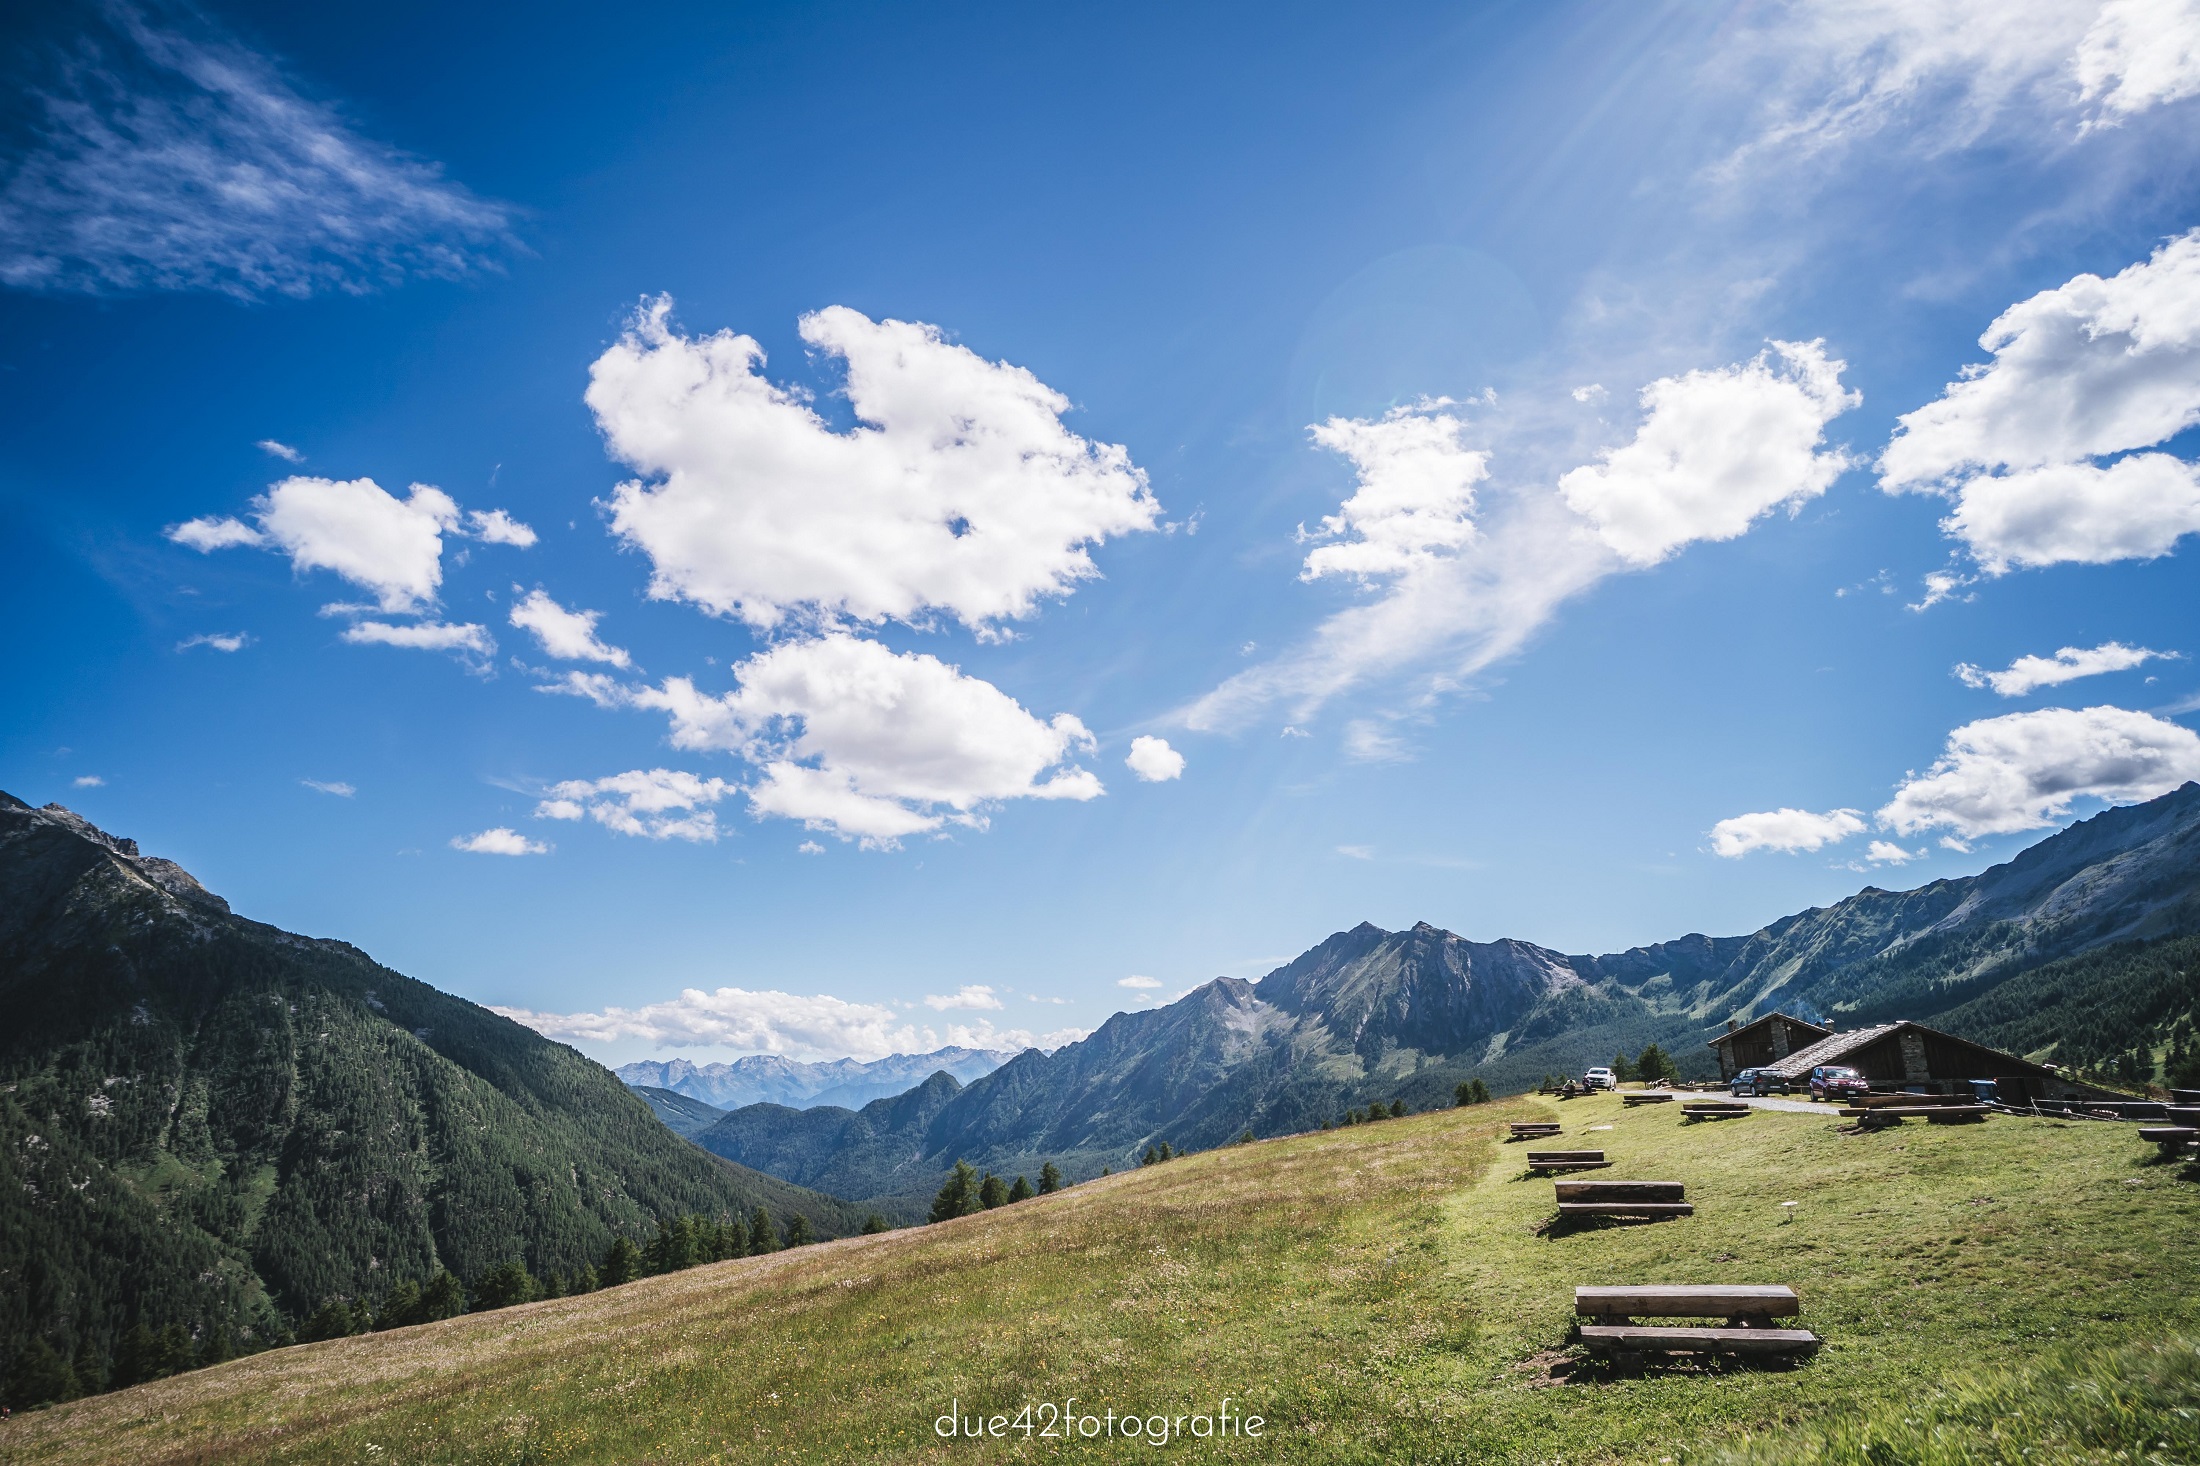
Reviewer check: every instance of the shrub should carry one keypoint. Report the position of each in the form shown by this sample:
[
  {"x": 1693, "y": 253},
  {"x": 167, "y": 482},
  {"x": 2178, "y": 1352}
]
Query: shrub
[{"x": 875, "y": 1224}]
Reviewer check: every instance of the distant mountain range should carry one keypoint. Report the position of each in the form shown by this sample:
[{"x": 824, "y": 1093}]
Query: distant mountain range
[
  {"x": 1380, "y": 1015},
  {"x": 770, "y": 1079},
  {"x": 212, "y": 1123}
]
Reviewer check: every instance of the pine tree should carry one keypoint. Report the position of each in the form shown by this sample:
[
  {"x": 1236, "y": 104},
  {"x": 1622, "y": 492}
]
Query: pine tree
[
  {"x": 992, "y": 1192},
  {"x": 444, "y": 1298},
  {"x": 41, "y": 1376},
  {"x": 1397, "y": 1109},
  {"x": 875, "y": 1224},
  {"x": 1652, "y": 1065},
  {"x": 137, "y": 1357},
  {"x": 400, "y": 1306},
  {"x": 798, "y": 1231},
  {"x": 1021, "y": 1191},
  {"x": 1050, "y": 1179},
  {"x": 332, "y": 1320},
  {"x": 504, "y": 1285},
  {"x": 1481, "y": 1093},
  {"x": 176, "y": 1354},
  {"x": 584, "y": 1279},
  {"x": 1464, "y": 1094},
  {"x": 622, "y": 1263},
  {"x": 959, "y": 1197},
  {"x": 1622, "y": 1070},
  {"x": 1245, "y": 1137},
  {"x": 1166, "y": 1153},
  {"x": 1152, "y": 1157},
  {"x": 762, "y": 1238}
]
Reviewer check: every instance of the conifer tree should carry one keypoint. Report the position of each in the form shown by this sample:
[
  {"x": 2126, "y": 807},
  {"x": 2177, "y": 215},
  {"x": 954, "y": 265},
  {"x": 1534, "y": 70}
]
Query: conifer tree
[
  {"x": 584, "y": 1279},
  {"x": 400, "y": 1306},
  {"x": 1050, "y": 1179},
  {"x": 1245, "y": 1137},
  {"x": 1481, "y": 1092},
  {"x": 798, "y": 1231},
  {"x": 1152, "y": 1157},
  {"x": 1622, "y": 1070},
  {"x": 762, "y": 1238},
  {"x": 42, "y": 1376},
  {"x": 1397, "y": 1109},
  {"x": 137, "y": 1357},
  {"x": 1651, "y": 1065},
  {"x": 992, "y": 1192},
  {"x": 1166, "y": 1153},
  {"x": 1021, "y": 1191},
  {"x": 875, "y": 1224},
  {"x": 504, "y": 1285},
  {"x": 622, "y": 1263},
  {"x": 959, "y": 1197}
]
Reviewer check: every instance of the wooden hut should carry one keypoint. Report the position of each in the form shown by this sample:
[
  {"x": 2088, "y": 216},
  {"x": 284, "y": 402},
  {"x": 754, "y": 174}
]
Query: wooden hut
[{"x": 1765, "y": 1041}]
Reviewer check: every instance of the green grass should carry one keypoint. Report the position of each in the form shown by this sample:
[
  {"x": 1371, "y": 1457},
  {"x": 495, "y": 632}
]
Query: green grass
[{"x": 1382, "y": 1292}]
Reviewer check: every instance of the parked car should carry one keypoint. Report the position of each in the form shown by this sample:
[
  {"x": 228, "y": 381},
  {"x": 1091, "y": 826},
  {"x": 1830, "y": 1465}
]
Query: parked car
[
  {"x": 1837, "y": 1081},
  {"x": 1599, "y": 1079},
  {"x": 1751, "y": 1081}
]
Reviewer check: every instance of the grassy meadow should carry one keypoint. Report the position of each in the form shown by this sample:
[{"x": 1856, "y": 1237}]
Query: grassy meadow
[{"x": 2018, "y": 1290}]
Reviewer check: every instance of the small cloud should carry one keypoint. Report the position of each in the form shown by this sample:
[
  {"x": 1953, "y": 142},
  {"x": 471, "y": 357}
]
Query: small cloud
[
  {"x": 970, "y": 995},
  {"x": 283, "y": 451},
  {"x": 1291, "y": 732},
  {"x": 221, "y": 641},
  {"x": 1153, "y": 760},
  {"x": 1135, "y": 981},
  {"x": 88, "y": 781},
  {"x": 1365, "y": 742},
  {"x": 1035, "y": 998},
  {"x": 810, "y": 847},
  {"x": 1950, "y": 842},
  {"x": 1593, "y": 392},
  {"x": 336, "y": 787},
  {"x": 496, "y": 527},
  {"x": 1886, "y": 852},
  {"x": 1357, "y": 852},
  {"x": 499, "y": 841}
]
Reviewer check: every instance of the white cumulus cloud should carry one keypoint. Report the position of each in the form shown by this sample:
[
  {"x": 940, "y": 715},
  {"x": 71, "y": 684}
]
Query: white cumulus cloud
[
  {"x": 958, "y": 490},
  {"x": 876, "y": 745},
  {"x": 495, "y": 527},
  {"x": 353, "y": 528},
  {"x": 88, "y": 781},
  {"x": 166, "y": 156},
  {"x": 815, "y": 1026},
  {"x": 656, "y": 804},
  {"x": 1784, "y": 829},
  {"x": 1465, "y": 566},
  {"x": 1716, "y": 449},
  {"x": 499, "y": 841},
  {"x": 2025, "y": 444},
  {"x": 2140, "y": 54},
  {"x": 1152, "y": 760},
  {"x": 284, "y": 451},
  {"x": 567, "y": 635},
  {"x": 465, "y": 638},
  {"x": 2067, "y": 665},
  {"x": 1886, "y": 852},
  {"x": 1137, "y": 981},
  {"x": 969, "y": 995},
  {"x": 2022, "y": 771}
]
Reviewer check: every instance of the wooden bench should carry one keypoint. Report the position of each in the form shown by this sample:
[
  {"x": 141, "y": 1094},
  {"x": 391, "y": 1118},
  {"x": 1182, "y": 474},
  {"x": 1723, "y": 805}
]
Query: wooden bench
[
  {"x": 1878, "y": 1115},
  {"x": 1713, "y": 1109},
  {"x": 1623, "y": 1199},
  {"x": 1747, "y": 1308},
  {"x": 1648, "y": 1097},
  {"x": 2172, "y": 1138},
  {"x": 1534, "y": 1129},
  {"x": 1566, "y": 1160}
]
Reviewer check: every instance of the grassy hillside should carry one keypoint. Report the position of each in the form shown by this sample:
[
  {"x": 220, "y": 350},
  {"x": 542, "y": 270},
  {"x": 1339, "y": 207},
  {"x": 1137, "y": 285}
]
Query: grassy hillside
[{"x": 1380, "y": 1292}]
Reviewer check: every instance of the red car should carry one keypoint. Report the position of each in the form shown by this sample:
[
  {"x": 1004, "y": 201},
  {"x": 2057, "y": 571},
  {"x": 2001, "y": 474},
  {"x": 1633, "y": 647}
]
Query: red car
[{"x": 1837, "y": 1081}]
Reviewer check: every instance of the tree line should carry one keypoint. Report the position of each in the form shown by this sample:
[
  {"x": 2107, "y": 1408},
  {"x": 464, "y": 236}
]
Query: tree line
[
  {"x": 966, "y": 1193},
  {"x": 42, "y": 1375}
]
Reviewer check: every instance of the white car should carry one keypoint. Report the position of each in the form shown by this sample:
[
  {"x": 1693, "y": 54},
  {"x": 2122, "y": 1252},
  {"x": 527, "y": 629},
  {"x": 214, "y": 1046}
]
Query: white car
[{"x": 1600, "y": 1079}]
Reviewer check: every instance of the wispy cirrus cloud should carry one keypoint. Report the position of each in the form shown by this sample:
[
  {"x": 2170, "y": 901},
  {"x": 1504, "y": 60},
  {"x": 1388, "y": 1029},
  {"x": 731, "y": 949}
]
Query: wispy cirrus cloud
[{"x": 168, "y": 156}]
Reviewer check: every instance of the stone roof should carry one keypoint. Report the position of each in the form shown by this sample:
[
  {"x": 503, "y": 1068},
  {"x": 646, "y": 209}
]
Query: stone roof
[
  {"x": 1837, "y": 1048},
  {"x": 1732, "y": 1033}
]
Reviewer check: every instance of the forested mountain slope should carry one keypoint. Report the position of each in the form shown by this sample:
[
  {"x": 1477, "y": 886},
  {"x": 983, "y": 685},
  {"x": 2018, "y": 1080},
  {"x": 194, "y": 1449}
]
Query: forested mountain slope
[
  {"x": 1377, "y": 1015},
  {"x": 209, "y": 1122}
]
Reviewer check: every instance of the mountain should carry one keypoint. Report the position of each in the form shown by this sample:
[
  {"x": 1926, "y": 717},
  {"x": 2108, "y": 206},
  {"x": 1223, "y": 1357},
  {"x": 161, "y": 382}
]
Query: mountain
[
  {"x": 213, "y": 1123},
  {"x": 772, "y": 1080},
  {"x": 1379, "y": 1015},
  {"x": 682, "y": 1115}
]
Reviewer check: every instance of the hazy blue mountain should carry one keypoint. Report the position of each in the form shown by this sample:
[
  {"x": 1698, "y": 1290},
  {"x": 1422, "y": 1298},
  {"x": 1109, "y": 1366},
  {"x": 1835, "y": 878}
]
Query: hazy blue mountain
[
  {"x": 1379, "y": 1015},
  {"x": 771, "y": 1079},
  {"x": 212, "y": 1123}
]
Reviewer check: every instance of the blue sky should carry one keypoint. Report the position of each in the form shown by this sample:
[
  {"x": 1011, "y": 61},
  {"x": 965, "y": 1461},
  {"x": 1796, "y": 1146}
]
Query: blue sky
[{"x": 1073, "y": 504}]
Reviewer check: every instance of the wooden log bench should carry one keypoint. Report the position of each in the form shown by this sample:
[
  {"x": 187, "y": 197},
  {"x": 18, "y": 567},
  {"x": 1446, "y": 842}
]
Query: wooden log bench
[
  {"x": 1647, "y": 1097},
  {"x": 1534, "y": 1129},
  {"x": 1875, "y": 1116},
  {"x": 1747, "y": 1308},
  {"x": 1544, "y": 1161},
  {"x": 1647, "y": 1199},
  {"x": 1713, "y": 1110},
  {"x": 2172, "y": 1138}
]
